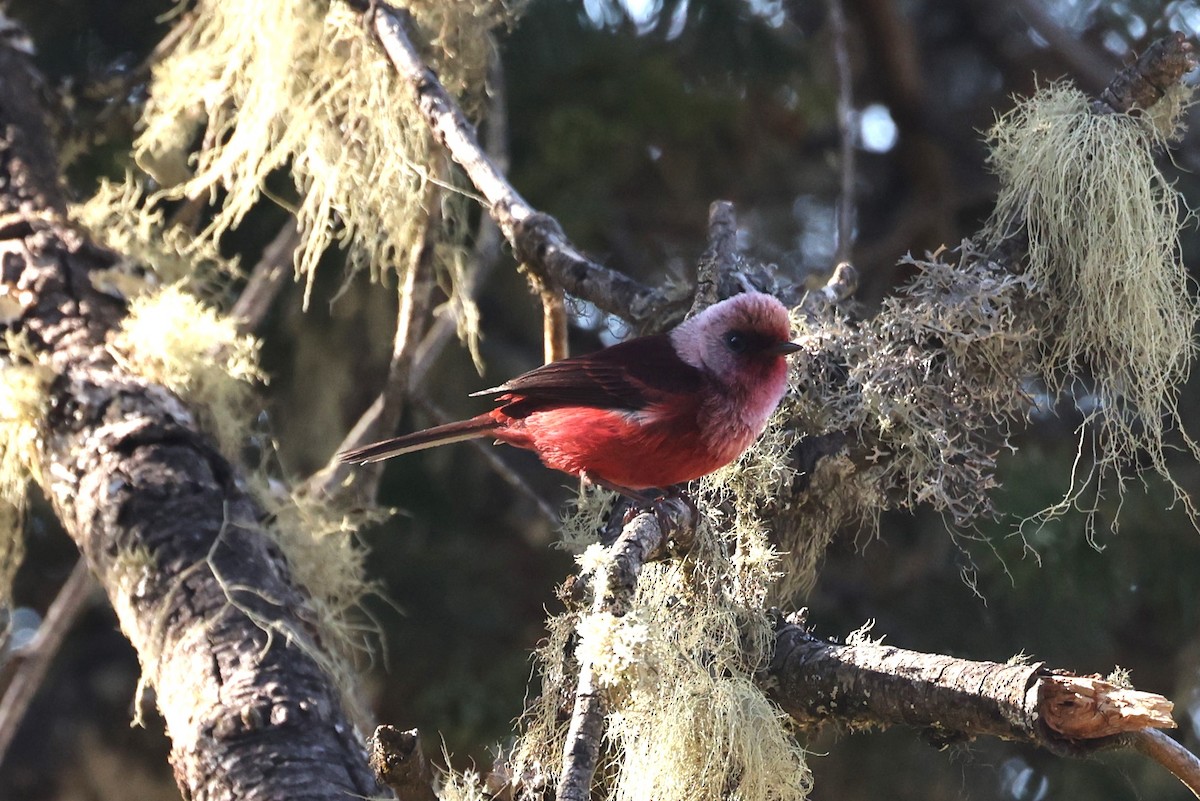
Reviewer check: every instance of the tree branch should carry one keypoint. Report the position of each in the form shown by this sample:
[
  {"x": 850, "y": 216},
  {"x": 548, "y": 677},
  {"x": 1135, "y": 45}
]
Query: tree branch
[
  {"x": 869, "y": 684},
  {"x": 536, "y": 238},
  {"x": 267, "y": 279},
  {"x": 36, "y": 659},
  {"x": 225, "y": 636}
]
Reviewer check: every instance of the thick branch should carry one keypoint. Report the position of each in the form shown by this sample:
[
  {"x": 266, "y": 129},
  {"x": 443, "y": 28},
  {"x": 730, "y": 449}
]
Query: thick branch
[
  {"x": 876, "y": 685},
  {"x": 226, "y": 638},
  {"x": 536, "y": 238}
]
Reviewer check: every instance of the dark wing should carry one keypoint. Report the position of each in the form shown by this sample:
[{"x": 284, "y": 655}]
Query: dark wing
[{"x": 629, "y": 375}]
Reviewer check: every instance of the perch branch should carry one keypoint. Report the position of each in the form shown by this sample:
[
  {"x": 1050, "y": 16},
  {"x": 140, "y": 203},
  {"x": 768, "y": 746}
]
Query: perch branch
[
  {"x": 643, "y": 538},
  {"x": 35, "y": 660},
  {"x": 536, "y": 238}
]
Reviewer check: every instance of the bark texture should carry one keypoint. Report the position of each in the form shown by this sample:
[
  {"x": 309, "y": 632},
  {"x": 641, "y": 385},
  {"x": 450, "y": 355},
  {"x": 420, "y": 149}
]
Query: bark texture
[{"x": 225, "y": 637}]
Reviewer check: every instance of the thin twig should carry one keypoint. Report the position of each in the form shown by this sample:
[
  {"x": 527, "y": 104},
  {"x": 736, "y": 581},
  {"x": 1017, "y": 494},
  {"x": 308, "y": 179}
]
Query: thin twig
[
  {"x": 846, "y": 131},
  {"x": 267, "y": 279},
  {"x": 1171, "y": 755},
  {"x": 36, "y": 659},
  {"x": 383, "y": 415},
  {"x": 510, "y": 476},
  {"x": 536, "y": 238}
]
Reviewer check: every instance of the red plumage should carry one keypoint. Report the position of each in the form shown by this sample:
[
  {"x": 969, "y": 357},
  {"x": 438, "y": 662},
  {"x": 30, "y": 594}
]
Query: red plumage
[{"x": 646, "y": 413}]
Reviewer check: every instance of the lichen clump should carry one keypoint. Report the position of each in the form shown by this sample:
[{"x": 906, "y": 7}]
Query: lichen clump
[
  {"x": 687, "y": 718},
  {"x": 1101, "y": 223},
  {"x": 296, "y": 85},
  {"x": 171, "y": 338},
  {"x": 24, "y": 384}
]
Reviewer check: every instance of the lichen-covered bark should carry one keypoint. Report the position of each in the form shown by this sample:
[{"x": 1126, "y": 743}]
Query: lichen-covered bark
[{"x": 225, "y": 637}]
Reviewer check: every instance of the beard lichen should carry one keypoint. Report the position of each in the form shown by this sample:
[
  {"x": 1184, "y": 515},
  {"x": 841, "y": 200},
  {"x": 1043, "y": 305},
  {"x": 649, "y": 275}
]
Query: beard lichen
[
  {"x": 24, "y": 386},
  {"x": 1101, "y": 223},
  {"x": 269, "y": 85},
  {"x": 171, "y": 338}
]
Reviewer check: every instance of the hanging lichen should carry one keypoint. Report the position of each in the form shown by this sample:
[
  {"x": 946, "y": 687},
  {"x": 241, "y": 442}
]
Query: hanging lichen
[
  {"x": 298, "y": 85},
  {"x": 1101, "y": 223}
]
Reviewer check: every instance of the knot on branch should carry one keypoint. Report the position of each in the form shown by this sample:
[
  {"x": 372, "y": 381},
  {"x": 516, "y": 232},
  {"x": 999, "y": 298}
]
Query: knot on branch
[{"x": 533, "y": 236}]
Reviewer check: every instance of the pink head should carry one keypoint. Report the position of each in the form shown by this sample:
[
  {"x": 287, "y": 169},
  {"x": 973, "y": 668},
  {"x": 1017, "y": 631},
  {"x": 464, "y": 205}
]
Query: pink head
[{"x": 740, "y": 343}]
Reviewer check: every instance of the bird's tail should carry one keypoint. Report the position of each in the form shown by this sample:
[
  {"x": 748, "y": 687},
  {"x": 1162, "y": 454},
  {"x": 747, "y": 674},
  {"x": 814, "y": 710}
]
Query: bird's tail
[{"x": 480, "y": 426}]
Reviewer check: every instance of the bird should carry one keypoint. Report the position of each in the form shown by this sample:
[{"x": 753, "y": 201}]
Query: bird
[{"x": 641, "y": 415}]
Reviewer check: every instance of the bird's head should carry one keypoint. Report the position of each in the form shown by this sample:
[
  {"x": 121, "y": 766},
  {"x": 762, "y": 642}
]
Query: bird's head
[{"x": 740, "y": 342}]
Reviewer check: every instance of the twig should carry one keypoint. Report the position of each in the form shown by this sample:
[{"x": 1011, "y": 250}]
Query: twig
[
  {"x": 536, "y": 238},
  {"x": 846, "y": 132},
  {"x": 267, "y": 279},
  {"x": 400, "y": 764},
  {"x": 383, "y": 415},
  {"x": 720, "y": 261},
  {"x": 510, "y": 476},
  {"x": 644, "y": 538},
  {"x": 36, "y": 659},
  {"x": 1170, "y": 754}
]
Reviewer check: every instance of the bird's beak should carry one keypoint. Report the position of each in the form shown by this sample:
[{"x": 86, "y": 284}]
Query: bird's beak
[{"x": 784, "y": 348}]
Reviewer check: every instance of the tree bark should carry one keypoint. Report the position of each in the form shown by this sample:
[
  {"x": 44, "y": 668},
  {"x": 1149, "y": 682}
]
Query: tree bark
[{"x": 226, "y": 638}]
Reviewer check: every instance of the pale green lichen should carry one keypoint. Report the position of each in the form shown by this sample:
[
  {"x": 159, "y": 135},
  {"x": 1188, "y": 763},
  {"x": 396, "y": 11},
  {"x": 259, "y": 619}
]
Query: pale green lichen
[{"x": 171, "y": 338}]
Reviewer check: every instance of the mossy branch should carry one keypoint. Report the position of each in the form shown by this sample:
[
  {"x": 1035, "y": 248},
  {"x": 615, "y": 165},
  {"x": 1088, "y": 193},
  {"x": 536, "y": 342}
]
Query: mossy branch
[
  {"x": 644, "y": 537},
  {"x": 231, "y": 644}
]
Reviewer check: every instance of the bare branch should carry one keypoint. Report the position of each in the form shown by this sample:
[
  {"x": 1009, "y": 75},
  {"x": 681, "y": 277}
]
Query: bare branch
[
  {"x": 871, "y": 684},
  {"x": 267, "y": 279},
  {"x": 846, "y": 132},
  {"x": 1171, "y": 755},
  {"x": 383, "y": 415},
  {"x": 36, "y": 659},
  {"x": 510, "y": 476}
]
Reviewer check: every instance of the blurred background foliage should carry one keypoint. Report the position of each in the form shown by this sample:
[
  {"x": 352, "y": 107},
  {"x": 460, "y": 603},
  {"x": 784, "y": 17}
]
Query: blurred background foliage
[{"x": 626, "y": 118}]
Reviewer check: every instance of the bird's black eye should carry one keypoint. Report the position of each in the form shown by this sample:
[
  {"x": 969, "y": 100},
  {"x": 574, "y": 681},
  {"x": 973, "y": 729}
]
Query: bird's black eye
[{"x": 737, "y": 342}]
